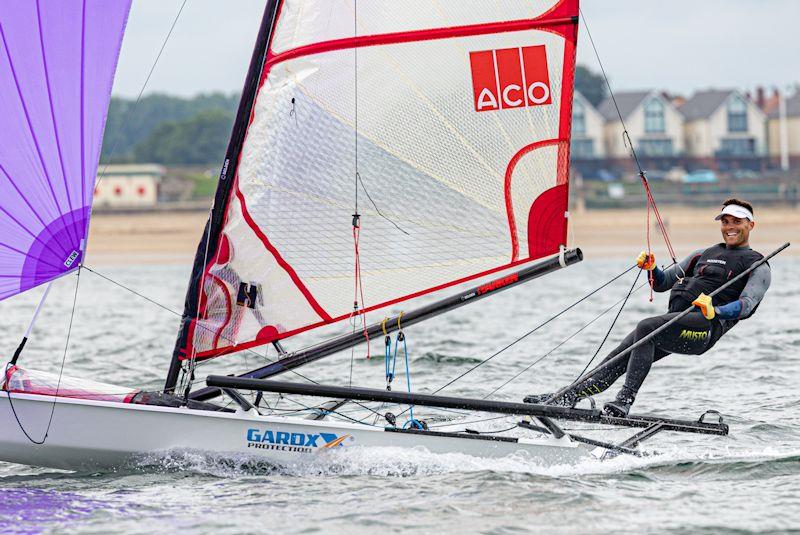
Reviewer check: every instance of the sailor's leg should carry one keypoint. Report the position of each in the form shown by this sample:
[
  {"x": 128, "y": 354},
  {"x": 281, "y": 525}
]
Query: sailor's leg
[
  {"x": 692, "y": 334},
  {"x": 625, "y": 344},
  {"x": 642, "y": 358},
  {"x": 604, "y": 376}
]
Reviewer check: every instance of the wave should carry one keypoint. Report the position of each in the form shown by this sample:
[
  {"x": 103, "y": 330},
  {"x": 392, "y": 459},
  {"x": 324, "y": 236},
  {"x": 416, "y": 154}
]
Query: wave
[{"x": 394, "y": 462}]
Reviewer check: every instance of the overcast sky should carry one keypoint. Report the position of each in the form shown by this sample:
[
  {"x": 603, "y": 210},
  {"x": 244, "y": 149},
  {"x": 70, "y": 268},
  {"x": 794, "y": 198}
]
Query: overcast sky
[{"x": 678, "y": 45}]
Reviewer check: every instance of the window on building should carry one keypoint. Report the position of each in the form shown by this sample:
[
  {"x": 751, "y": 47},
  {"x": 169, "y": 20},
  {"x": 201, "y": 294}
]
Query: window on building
[
  {"x": 578, "y": 117},
  {"x": 582, "y": 148},
  {"x": 738, "y": 147},
  {"x": 737, "y": 115},
  {"x": 656, "y": 147},
  {"x": 654, "y": 117}
]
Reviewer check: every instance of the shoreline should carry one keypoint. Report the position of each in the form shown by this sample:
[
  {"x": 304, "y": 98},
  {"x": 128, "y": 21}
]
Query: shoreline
[{"x": 172, "y": 237}]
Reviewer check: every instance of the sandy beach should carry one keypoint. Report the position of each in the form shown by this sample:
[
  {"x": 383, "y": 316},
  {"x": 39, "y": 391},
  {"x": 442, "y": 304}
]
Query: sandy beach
[{"x": 172, "y": 238}]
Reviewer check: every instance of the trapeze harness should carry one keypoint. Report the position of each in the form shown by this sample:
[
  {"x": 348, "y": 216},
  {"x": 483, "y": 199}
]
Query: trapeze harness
[{"x": 691, "y": 335}]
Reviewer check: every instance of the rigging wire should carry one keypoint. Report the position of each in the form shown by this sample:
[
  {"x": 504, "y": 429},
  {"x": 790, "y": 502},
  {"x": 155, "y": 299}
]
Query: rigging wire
[
  {"x": 358, "y": 282},
  {"x": 614, "y": 322},
  {"x": 131, "y": 111},
  {"x": 551, "y": 351},
  {"x": 60, "y": 374},
  {"x": 547, "y": 321},
  {"x": 248, "y": 350},
  {"x": 626, "y": 138},
  {"x": 178, "y": 314}
]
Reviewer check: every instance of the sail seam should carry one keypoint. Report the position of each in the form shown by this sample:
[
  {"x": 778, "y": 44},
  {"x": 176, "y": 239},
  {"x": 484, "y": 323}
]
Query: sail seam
[
  {"x": 28, "y": 120},
  {"x": 55, "y": 126}
]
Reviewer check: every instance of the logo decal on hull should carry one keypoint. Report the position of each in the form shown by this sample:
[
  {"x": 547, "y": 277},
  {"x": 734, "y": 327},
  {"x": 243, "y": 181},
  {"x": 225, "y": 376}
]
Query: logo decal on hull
[{"x": 293, "y": 442}]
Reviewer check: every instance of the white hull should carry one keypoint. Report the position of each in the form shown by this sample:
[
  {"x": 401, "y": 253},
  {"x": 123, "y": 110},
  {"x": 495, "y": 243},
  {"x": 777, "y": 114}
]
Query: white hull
[{"x": 87, "y": 434}]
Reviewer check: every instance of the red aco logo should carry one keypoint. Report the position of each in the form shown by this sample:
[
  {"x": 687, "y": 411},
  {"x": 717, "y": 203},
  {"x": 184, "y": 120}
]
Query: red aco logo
[{"x": 510, "y": 78}]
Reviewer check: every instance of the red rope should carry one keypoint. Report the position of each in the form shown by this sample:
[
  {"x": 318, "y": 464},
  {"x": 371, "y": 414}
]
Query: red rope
[
  {"x": 359, "y": 286},
  {"x": 650, "y": 278},
  {"x": 662, "y": 228},
  {"x": 651, "y": 202}
]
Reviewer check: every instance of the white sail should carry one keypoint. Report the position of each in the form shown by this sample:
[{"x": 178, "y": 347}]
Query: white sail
[{"x": 454, "y": 116}]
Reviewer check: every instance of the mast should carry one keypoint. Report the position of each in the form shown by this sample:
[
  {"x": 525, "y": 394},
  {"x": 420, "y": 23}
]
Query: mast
[{"x": 211, "y": 233}]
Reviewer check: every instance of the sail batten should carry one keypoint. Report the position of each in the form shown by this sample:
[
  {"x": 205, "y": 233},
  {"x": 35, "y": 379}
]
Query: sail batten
[{"x": 460, "y": 161}]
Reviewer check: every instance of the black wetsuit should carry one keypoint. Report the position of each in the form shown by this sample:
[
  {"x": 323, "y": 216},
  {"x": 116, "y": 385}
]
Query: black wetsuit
[{"x": 701, "y": 272}]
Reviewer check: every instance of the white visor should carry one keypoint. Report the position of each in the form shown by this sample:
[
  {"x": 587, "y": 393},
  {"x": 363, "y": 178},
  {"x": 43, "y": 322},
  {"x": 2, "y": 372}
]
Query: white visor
[{"x": 736, "y": 211}]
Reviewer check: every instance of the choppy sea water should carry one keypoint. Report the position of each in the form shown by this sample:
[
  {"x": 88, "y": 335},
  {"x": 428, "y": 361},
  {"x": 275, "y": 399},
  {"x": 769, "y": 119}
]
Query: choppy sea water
[{"x": 747, "y": 482}]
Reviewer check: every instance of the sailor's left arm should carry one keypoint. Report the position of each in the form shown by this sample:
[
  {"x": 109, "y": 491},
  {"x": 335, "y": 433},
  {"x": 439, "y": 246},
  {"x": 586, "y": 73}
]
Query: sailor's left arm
[{"x": 751, "y": 296}]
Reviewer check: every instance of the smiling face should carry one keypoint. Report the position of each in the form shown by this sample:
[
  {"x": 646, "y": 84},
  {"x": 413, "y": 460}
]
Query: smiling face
[{"x": 735, "y": 230}]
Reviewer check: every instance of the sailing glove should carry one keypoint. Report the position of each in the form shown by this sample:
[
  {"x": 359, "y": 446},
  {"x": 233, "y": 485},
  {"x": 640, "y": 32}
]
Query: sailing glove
[
  {"x": 646, "y": 261},
  {"x": 703, "y": 302}
]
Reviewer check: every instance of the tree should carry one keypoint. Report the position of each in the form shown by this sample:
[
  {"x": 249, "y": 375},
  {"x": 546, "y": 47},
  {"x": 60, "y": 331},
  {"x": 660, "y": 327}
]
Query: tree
[
  {"x": 592, "y": 86},
  {"x": 198, "y": 140},
  {"x": 128, "y": 126}
]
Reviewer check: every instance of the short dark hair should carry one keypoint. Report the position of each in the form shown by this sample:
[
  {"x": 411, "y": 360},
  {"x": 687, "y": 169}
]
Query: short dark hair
[{"x": 738, "y": 202}]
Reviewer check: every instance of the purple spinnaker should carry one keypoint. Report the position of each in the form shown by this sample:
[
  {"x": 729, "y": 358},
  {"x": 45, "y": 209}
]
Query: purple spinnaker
[{"x": 57, "y": 63}]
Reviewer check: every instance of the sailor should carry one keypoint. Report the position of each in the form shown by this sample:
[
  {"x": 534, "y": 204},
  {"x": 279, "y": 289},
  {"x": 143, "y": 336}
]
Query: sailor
[{"x": 689, "y": 283}]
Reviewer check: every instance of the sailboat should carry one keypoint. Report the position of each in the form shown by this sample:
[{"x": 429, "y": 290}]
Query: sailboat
[{"x": 382, "y": 152}]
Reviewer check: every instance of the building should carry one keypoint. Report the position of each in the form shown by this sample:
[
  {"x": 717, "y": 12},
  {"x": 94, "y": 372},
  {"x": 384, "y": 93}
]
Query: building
[
  {"x": 587, "y": 130},
  {"x": 724, "y": 130},
  {"x": 792, "y": 130},
  {"x": 654, "y": 124},
  {"x": 128, "y": 186}
]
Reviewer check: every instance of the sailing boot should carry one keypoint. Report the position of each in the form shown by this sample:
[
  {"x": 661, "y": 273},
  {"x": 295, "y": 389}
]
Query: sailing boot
[
  {"x": 621, "y": 406},
  {"x": 537, "y": 399},
  {"x": 542, "y": 399}
]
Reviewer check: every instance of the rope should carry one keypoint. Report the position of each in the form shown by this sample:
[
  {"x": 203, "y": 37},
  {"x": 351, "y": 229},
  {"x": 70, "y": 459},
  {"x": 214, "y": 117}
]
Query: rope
[
  {"x": 412, "y": 422},
  {"x": 390, "y": 362}
]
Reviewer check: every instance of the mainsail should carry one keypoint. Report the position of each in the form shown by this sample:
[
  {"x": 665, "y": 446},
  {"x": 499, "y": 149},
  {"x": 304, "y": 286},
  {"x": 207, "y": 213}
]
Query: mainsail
[
  {"x": 444, "y": 125},
  {"x": 57, "y": 63}
]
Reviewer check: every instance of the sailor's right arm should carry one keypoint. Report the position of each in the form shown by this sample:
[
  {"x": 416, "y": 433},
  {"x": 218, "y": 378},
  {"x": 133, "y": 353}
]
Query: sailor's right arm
[{"x": 665, "y": 279}]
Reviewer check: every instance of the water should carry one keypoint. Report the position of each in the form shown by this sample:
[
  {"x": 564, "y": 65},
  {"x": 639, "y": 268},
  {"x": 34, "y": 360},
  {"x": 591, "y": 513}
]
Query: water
[{"x": 748, "y": 481}]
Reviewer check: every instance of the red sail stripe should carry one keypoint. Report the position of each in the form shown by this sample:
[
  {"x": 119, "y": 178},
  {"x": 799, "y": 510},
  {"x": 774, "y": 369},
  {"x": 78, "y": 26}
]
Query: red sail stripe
[
  {"x": 413, "y": 36},
  {"x": 246, "y": 345},
  {"x": 512, "y": 226},
  {"x": 283, "y": 263}
]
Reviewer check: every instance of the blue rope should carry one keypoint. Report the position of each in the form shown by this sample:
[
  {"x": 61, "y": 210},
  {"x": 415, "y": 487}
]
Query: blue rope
[
  {"x": 390, "y": 362},
  {"x": 412, "y": 422}
]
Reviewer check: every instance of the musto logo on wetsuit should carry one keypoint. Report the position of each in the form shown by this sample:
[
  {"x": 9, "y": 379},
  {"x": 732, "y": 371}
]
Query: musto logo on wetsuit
[
  {"x": 686, "y": 334},
  {"x": 268, "y": 439}
]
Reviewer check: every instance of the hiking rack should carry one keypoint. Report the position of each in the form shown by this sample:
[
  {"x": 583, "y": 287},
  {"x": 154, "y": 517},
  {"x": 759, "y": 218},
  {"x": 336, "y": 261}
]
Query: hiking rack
[{"x": 651, "y": 425}]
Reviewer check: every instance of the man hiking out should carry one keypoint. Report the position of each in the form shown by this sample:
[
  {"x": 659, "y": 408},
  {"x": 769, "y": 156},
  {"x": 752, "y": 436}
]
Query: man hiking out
[{"x": 689, "y": 283}]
